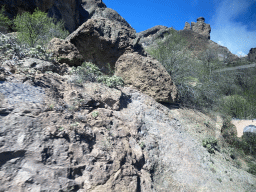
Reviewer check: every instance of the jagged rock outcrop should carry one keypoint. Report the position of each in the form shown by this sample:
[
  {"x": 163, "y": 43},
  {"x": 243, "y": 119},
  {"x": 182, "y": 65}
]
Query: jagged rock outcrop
[
  {"x": 252, "y": 55},
  {"x": 92, "y": 5},
  {"x": 65, "y": 52},
  {"x": 196, "y": 42},
  {"x": 148, "y": 36},
  {"x": 110, "y": 14},
  {"x": 102, "y": 41},
  {"x": 199, "y": 27},
  {"x": 56, "y": 136},
  {"x": 147, "y": 75}
]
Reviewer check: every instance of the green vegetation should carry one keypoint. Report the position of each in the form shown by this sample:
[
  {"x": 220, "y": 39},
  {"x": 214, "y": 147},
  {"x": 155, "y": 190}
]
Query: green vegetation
[
  {"x": 5, "y": 22},
  {"x": 37, "y": 28},
  {"x": 211, "y": 144},
  {"x": 90, "y": 72},
  {"x": 95, "y": 114},
  {"x": 34, "y": 31},
  {"x": 229, "y": 93}
]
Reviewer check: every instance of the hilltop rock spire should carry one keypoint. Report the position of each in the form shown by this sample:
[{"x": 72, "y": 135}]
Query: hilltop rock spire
[{"x": 199, "y": 27}]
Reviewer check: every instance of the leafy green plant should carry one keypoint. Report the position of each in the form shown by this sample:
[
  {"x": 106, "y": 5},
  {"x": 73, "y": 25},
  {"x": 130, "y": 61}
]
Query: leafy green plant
[
  {"x": 111, "y": 82},
  {"x": 5, "y": 22},
  {"x": 142, "y": 145},
  {"x": 95, "y": 114},
  {"x": 252, "y": 168},
  {"x": 211, "y": 144},
  {"x": 90, "y": 72},
  {"x": 38, "y": 28},
  {"x": 51, "y": 107}
]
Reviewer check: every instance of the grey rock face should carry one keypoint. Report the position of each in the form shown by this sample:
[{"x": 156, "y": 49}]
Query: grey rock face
[
  {"x": 252, "y": 55},
  {"x": 102, "y": 41},
  {"x": 65, "y": 52},
  {"x": 94, "y": 138},
  {"x": 92, "y": 5},
  {"x": 148, "y": 36},
  {"x": 110, "y": 14},
  {"x": 199, "y": 27}
]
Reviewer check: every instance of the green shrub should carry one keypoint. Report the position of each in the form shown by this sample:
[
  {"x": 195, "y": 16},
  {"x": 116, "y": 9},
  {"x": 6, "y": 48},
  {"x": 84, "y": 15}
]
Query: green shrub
[
  {"x": 90, "y": 72},
  {"x": 86, "y": 72},
  {"x": 211, "y": 144},
  {"x": 5, "y": 22},
  {"x": 95, "y": 114},
  {"x": 111, "y": 82},
  {"x": 252, "y": 168},
  {"x": 234, "y": 105},
  {"x": 38, "y": 28},
  {"x": 249, "y": 142}
]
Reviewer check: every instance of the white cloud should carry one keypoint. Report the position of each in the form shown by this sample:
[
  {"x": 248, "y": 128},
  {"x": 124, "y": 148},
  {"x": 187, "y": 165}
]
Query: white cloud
[
  {"x": 241, "y": 54},
  {"x": 220, "y": 43},
  {"x": 226, "y": 32}
]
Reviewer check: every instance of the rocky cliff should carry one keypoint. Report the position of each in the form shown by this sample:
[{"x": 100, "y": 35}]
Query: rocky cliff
[
  {"x": 199, "y": 27},
  {"x": 59, "y": 135},
  {"x": 252, "y": 55}
]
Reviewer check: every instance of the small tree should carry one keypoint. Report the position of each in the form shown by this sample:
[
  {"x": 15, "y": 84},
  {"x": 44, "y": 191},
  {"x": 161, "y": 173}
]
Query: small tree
[
  {"x": 5, "y": 22},
  {"x": 170, "y": 51},
  {"x": 37, "y": 28}
]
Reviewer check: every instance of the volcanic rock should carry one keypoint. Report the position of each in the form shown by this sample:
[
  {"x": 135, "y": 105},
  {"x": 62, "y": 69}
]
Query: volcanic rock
[
  {"x": 199, "y": 27},
  {"x": 102, "y": 41},
  {"x": 147, "y": 75},
  {"x": 65, "y": 52},
  {"x": 55, "y": 136},
  {"x": 252, "y": 55}
]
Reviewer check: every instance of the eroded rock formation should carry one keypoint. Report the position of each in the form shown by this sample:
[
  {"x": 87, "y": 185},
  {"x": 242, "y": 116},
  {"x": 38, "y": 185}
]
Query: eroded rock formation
[
  {"x": 252, "y": 55},
  {"x": 56, "y": 136},
  {"x": 147, "y": 75},
  {"x": 199, "y": 27}
]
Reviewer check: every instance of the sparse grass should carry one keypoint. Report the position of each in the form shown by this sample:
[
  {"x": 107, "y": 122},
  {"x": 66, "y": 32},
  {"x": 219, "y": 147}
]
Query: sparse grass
[
  {"x": 95, "y": 114},
  {"x": 211, "y": 144},
  {"x": 90, "y": 72}
]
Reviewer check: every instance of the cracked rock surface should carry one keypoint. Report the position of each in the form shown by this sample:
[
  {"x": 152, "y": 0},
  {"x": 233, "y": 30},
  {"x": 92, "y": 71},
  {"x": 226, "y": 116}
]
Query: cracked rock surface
[{"x": 57, "y": 136}]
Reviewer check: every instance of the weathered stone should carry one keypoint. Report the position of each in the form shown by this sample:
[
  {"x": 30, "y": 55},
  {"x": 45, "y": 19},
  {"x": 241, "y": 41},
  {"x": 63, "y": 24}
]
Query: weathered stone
[
  {"x": 199, "y": 27},
  {"x": 252, "y": 55},
  {"x": 55, "y": 136},
  {"x": 102, "y": 41},
  {"x": 110, "y": 14},
  {"x": 92, "y": 5},
  {"x": 38, "y": 64},
  {"x": 65, "y": 52},
  {"x": 187, "y": 26},
  {"x": 147, "y": 75},
  {"x": 148, "y": 36}
]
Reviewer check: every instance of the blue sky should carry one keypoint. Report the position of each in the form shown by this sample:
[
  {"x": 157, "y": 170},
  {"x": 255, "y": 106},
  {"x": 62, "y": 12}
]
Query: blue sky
[{"x": 233, "y": 22}]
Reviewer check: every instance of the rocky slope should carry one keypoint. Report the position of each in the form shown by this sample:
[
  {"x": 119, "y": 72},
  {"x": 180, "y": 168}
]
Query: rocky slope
[
  {"x": 57, "y": 135},
  {"x": 197, "y": 35}
]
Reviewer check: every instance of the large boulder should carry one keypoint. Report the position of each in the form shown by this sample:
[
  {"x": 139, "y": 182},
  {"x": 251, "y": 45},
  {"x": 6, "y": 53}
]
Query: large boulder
[
  {"x": 103, "y": 41},
  {"x": 147, "y": 75},
  {"x": 92, "y": 5},
  {"x": 110, "y": 14},
  {"x": 65, "y": 52},
  {"x": 252, "y": 55},
  {"x": 199, "y": 27}
]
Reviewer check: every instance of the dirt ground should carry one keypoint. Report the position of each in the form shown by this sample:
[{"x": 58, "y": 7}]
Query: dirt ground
[{"x": 241, "y": 124}]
